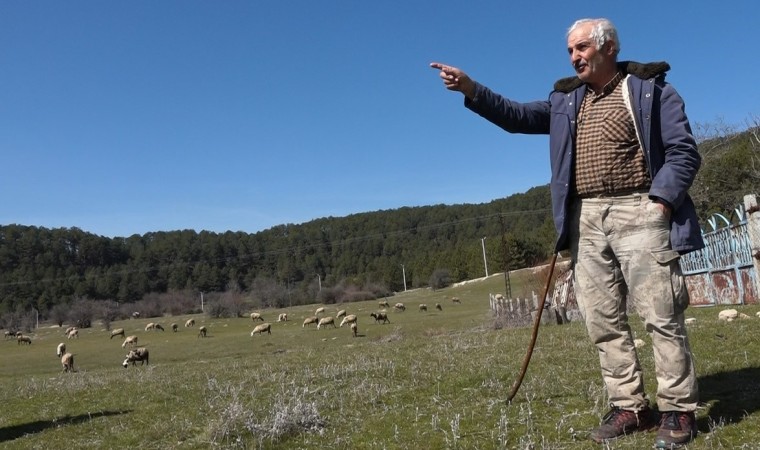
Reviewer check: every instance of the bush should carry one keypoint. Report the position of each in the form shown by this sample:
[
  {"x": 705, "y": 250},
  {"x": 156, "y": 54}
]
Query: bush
[{"x": 440, "y": 279}]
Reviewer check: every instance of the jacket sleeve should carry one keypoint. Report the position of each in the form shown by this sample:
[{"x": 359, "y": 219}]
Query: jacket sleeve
[
  {"x": 511, "y": 116},
  {"x": 680, "y": 158}
]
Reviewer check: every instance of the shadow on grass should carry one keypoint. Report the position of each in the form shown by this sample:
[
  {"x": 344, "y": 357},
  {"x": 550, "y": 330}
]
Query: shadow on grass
[
  {"x": 17, "y": 431},
  {"x": 730, "y": 396}
]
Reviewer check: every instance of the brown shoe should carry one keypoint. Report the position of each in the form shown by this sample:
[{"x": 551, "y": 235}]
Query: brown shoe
[
  {"x": 676, "y": 429},
  {"x": 620, "y": 422}
]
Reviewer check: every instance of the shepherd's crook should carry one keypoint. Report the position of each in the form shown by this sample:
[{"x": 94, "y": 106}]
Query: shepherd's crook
[{"x": 526, "y": 361}]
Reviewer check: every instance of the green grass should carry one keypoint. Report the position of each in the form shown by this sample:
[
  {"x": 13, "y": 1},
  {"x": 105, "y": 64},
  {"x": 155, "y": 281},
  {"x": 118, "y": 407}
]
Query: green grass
[{"x": 425, "y": 381}]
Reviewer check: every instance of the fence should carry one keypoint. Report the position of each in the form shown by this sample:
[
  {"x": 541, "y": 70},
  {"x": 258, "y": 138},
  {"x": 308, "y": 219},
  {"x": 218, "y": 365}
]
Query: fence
[{"x": 724, "y": 272}]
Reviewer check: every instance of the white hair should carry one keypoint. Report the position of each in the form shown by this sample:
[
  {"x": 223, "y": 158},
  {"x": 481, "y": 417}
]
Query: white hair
[{"x": 602, "y": 32}]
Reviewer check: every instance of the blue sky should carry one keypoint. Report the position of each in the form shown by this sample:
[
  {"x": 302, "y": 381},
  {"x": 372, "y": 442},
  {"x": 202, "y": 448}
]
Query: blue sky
[{"x": 123, "y": 118}]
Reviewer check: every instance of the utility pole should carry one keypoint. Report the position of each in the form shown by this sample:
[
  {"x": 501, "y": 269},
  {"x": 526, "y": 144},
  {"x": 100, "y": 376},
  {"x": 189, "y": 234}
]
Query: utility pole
[
  {"x": 202, "y": 301},
  {"x": 485, "y": 263},
  {"x": 403, "y": 271},
  {"x": 319, "y": 279}
]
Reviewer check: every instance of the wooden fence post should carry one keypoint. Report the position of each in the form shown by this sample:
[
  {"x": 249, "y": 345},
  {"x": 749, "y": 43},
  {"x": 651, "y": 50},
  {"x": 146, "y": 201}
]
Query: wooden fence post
[{"x": 753, "y": 228}]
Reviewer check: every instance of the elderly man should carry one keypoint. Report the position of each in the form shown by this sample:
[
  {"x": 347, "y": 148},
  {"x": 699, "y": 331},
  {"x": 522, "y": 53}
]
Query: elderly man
[{"x": 623, "y": 158}]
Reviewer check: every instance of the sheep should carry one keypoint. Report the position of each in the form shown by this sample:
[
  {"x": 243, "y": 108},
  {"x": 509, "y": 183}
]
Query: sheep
[
  {"x": 743, "y": 316},
  {"x": 283, "y": 317},
  {"x": 150, "y": 326},
  {"x": 351, "y": 318},
  {"x": 690, "y": 321},
  {"x": 380, "y": 316},
  {"x": 340, "y": 314},
  {"x": 455, "y": 300},
  {"x": 438, "y": 307},
  {"x": 136, "y": 315},
  {"x": 67, "y": 361},
  {"x": 130, "y": 340},
  {"x": 383, "y": 304},
  {"x": 399, "y": 307},
  {"x": 25, "y": 339},
  {"x": 138, "y": 354},
  {"x": 319, "y": 311},
  {"x": 175, "y": 327},
  {"x": 73, "y": 334},
  {"x": 68, "y": 330},
  {"x": 354, "y": 329},
  {"x": 327, "y": 320},
  {"x": 423, "y": 307},
  {"x": 60, "y": 350},
  {"x": 729, "y": 315},
  {"x": 10, "y": 335},
  {"x": 202, "y": 332},
  {"x": 310, "y": 320},
  {"x": 758, "y": 314},
  {"x": 190, "y": 323},
  {"x": 117, "y": 332},
  {"x": 18, "y": 333},
  {"x": 158, "y": 327},
  {"x": 260, "y": 329},
  {"x": 638, "y": 343},
  {"x": 256, "y": 316}
]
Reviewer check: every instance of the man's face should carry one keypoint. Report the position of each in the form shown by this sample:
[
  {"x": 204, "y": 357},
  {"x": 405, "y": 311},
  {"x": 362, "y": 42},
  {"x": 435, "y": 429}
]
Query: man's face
[{"x": 591, "y": 65}]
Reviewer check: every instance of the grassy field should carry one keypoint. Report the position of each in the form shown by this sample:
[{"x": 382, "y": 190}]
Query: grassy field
[{"x": 427, "y": 380}]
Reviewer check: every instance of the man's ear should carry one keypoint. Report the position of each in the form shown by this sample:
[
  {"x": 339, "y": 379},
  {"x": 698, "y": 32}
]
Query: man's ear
[{"x": 609, "y": 48}]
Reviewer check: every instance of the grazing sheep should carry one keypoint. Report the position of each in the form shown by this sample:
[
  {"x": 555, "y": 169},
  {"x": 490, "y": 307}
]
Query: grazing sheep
[
  {"x": 638, "y": 343},
  {"x": 202, "y": 332},
  {"x": 130, "y": 340},
  {"x": 256, "y": 316},
  {"x": 68, "y": 330},
  {"x": 190, "y": 323},
  {"x": 138, "y": 354},
  {"x": 60, "y": 350},
  {"x": 150, "y": 326},
  {"x": 690, "y": 321},
  {"x": 319, "y": 311},
  {"x": 758, "y": 314},
  {"x": 136, "y": 315},
  {"x": 73, "y": 334},
  {"x": 351, "y": 318},
  {"x": 438, "y": 307},
  {"x": 455, "y": 300},
  {"x": 9, "y": 334},
  {"x": 309, "y": 321},
  {"x": 340, "y": 314},
  {"x": 399, "y": 307},
  {"x": 117, "y": 332},
  {"x": 380, "y": 316},
  {"x": 25, "y": 339},
  {"x": 729, "y": 315},
  {"x": 175, "y": 327},
  {"x": 423, "y": 307},
  {"x": 67, "y": 361},
  {"x": 383, "y": 304},
  {"x": 327, "y": 320},
  {"x": 158, "y": 327},
  {"x": 260, "y": 329},
  {"x": 354, "y": 329},
  {"x": 283, "y": 317}
]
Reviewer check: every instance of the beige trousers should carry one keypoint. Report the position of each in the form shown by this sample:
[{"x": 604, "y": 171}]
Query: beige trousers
[{"x": 621, "y": 253}]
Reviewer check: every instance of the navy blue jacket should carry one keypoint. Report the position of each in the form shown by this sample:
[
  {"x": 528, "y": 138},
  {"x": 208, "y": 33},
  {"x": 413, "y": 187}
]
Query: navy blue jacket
[{"x": 663, "y": 130}]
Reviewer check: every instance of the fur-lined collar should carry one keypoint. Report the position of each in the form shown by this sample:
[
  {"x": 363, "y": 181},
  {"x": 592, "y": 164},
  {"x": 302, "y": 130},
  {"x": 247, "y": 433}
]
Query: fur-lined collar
[{"x": 640, "y": 70}]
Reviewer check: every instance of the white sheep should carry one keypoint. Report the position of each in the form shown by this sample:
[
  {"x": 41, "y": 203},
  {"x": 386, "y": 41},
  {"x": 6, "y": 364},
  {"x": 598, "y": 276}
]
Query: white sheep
[
  {"x": 202, "y": 331},
  {"x": 340, "y": 314},
  {"x": 73, "y": 333},
  {"x": 455, "y": 300},
  {"x": 423, "y": 307},
  {"x": 260, "y": 329},
  {"x": 25, "y": 339},
  {"x": 139, "y": 354},
  {"x": 150, "y": 326},
  {"x": 190, "y": 323},
  {"x": 399, "y": 307},
  {"x": 327, "y": 320},
  {"x": 743, "y": 316},
  {"x": 60, "y": 350},
  {"x": 638, "y": 343},
  {"x": 380, "y": 317},
  {"x": 319, "y": 311},
  {"x": 351, "y": 318},
  {"x": 758, "y": 314},
  {"x": 310, "y": 320},
  {"x": 68, "y": 330},
  {"x": 354, "y": 329},
  {"x": 283, "y": 317},
  {"x": 130, "y": 340},
  {"x": 256, "y": 316},
  {"x": 67, "y": 361},
  {"x": 729, "y": 315},
  {"x": 383, "y": 304},
  {"x": 690, "y": 321},
  {"x": 117, "y": 332}
]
